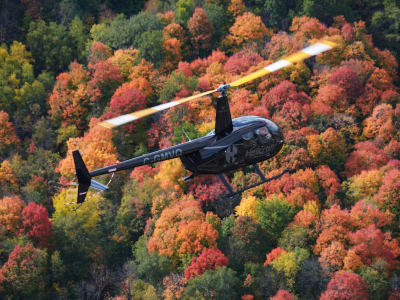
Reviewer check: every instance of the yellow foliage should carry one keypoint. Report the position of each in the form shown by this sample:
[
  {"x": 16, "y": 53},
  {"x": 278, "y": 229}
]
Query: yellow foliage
[
  {"x": 205, "y": 128},
  {"x": 87, "y": 212},
  {"x": 7, "y": 176},
  {"x": 171, "y": 172},
  {"x": 289, "y": 264},
  {"x": 247, "y": 207},
  {"x": 312, "y": 207},
  {"x": 364, "y": 185},
  {"x": 124, "y": 59}
]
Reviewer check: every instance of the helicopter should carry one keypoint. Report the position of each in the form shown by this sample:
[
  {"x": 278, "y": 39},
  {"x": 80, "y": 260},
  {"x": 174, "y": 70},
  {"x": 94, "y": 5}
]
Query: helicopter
[{"x": 233, "y": 144}]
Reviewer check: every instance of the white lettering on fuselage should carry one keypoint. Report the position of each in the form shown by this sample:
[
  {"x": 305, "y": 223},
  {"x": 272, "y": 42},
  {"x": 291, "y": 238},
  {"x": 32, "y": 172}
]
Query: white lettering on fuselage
[{"x": 163, "y": 156}]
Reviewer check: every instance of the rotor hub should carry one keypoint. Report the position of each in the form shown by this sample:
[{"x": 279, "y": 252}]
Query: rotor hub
[{"x": 223, "y": 88}]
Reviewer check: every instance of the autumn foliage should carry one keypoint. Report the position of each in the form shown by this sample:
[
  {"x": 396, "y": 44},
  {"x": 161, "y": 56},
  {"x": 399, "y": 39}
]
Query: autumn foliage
[{"x": 326, "y": 229}]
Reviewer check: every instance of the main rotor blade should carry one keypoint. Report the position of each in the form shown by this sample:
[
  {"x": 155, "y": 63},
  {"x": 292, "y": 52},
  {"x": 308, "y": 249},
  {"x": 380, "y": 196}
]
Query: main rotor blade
[
  {"x": 121, "y": 120},
  {"x": 307, "y": 52}
]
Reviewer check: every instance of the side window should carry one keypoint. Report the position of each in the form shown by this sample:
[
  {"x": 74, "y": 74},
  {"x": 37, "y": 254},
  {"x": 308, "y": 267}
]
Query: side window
[{"x": 263, "y": 132}]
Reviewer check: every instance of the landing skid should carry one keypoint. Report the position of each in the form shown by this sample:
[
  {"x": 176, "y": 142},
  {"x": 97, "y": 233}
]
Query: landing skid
[{"x": 260, "y": 174}]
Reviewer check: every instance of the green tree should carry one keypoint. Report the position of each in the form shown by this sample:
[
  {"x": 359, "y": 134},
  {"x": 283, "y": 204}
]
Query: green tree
[
  {"x": 50, "y": 46},
  {"x": 184, "y": 10},
  {"x": 79, "y": 36},
  {"x": 275, "y": 214},
  {"x": 385, "y": 27},
  {"x": 150, "y": 46},
  {"x": 220, "y": 283},
  {"x": 150, "y": 267},
  {"x": 377, "y": 282}
]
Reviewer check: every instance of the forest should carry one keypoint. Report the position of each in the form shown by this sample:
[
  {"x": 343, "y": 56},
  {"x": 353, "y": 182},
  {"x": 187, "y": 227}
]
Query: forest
[{"x": 327, "y": 230}]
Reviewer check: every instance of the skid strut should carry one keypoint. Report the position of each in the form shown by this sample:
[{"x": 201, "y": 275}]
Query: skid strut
[{"x": 258, "y": 171}]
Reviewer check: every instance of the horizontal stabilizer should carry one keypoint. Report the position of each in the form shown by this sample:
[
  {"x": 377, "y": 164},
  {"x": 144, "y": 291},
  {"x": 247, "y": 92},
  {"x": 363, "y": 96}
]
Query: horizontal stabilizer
[{"x": 98, "y": 186}]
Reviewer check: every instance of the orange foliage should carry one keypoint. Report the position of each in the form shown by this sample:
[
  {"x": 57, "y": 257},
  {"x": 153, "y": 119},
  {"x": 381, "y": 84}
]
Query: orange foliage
[
  {"x": 98, "y": 52},
  {"x": 299, "y": 196},
  {"x": 380, "y": 123},
  {"x": 247, "y": 28},
  {"x": 8, "y": 181},
  {"x": 281, "y": 44},
  {"x": 194, "y": 236},
  {"x": 7, "y": 132},
  {"x": 11, "y": 213},
  {"x": 332, "y": 255},
  {"x": 334, "y": 233},
  {"x": 69, "y": 101},
  {"x": 167, "y": 17},
  {"x": 96, "y": 148},
  {"x": 328, "y": 148},
  {"x": 282, "y": 295},
  {"x": 366, "y": 213},
  {"x": 164, "y": 238},
  {"x": 236, "y": 8},
  {"x": 242, "y": 102}
]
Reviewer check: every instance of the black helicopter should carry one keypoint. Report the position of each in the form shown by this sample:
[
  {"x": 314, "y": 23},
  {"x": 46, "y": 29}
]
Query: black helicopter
[{"x": 233, "y": 144}]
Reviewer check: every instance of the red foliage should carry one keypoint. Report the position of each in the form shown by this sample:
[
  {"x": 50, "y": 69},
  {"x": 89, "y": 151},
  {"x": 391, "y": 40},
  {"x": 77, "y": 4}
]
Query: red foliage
[
  {"x": 242, "y": 61},
  {"x": 207, "y": 193},
  {"x": 348, "y": 32},
  {"x": 306, "y": 28},
  {"x": 366, "y": 157},
  {"x": 184, "y": 67},
  {"x": 368, "y": 100},
  {"x": 346, "y": 286},
  {"x": 333, "y": 96},
  {"x": 24, "y": 272},
  {"x": 105, "y": 78},
  {"x": 370, "y": 244},
  {"x": 388, "y": 196},
  {"x": 335, "y": 216},
  {"x": 142, "y": 172},
  {"x": 347, "y": 79},
  {"x": 37, "y": 225},
  {"x": 201, "y": 30},
  {"x": 328, "y": 180},
  {"x": 284, "y": 184},
  {"x": 284, "y": 92},
  {"x": 274, "y": 254},
  {"x": 391, "y": 97},
  {"x": 393, "y": 149},
  {"x": 282, "y": 295},
  {"x": 125, "y": 101},
  {"x": 209, "y": 259}
]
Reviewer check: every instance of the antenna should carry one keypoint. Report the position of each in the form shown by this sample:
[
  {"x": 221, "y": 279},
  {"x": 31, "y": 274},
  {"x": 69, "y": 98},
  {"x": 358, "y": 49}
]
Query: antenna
[{"x": 186, "y": 134}]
